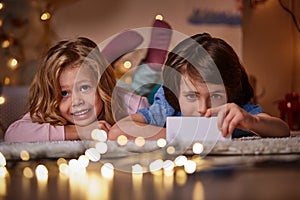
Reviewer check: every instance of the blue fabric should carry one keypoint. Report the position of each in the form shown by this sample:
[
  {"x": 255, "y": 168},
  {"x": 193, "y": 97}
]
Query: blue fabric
[{"x": 157, "y": 113}]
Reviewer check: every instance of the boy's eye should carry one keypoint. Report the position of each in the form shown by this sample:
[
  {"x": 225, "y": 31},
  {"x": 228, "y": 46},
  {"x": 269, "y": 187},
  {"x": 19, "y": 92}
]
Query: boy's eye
[
  {"x": 191, "y": 96},
  {"x": 216, "y": 96},
  {"x": 64, "y": 93}
]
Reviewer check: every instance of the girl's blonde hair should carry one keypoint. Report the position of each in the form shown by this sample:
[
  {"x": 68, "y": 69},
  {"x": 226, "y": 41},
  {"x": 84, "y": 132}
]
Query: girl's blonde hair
[{"x": 45, "y": 91}]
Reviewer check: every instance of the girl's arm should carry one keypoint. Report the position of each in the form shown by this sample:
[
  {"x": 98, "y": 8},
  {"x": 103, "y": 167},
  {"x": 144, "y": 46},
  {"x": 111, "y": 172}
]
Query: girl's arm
[
  {"x": 24, "y": 130},
  {"x": 231, "y": 116},
  {"x": 135, "y": 126}
]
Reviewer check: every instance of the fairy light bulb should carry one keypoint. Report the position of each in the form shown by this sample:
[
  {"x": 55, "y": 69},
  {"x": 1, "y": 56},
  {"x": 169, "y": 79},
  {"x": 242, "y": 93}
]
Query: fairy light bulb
[
  {"x": 122, "y": 140},
  {"x": 159, "y": 17},
  {"x": 107, "y": 170},
  {"x": 99, "y": 135},
  {"x": 5, "y": 44},
  {"x": 41, "y": 172},
  {"x": 1, "y": 5},
  {"x": 2, "y": 100},
  {"x": 2, "y": 160},
  {"x": 127, "y": 64},
  {"x": 24, "y": 155},
  {"x": 161, "y": 142},
  {"x": 197, "y": 148},
  {"x": 45, "y": 16},
  {"x": 12, "y": 63}
]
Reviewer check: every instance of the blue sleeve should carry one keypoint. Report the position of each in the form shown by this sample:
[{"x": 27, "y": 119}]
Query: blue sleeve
[
  {"x": 253, "y": 109},
  {"x": 157, "y": 113}
]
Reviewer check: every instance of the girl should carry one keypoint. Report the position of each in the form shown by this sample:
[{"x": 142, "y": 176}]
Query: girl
[
  {"x": 73, "y": 86},
  {"x": 203, "y": 77}
]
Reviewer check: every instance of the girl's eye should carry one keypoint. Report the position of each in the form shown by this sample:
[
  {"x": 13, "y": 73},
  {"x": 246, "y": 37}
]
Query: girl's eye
[
  {"x": 64, "y": 93},
  {"x": 84, "y": 88}
]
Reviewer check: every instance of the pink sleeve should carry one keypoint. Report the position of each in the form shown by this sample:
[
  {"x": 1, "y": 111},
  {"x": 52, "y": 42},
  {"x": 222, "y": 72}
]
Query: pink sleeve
[{"x": 24, "y": 130}]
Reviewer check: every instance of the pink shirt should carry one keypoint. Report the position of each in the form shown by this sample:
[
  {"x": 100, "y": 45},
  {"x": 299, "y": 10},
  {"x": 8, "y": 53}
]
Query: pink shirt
[{"x": 24, "y": 130}]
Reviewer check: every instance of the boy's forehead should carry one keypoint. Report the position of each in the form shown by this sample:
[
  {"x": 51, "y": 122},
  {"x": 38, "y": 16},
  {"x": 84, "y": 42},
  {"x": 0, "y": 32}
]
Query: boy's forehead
[{"x": 188, "y": 84}]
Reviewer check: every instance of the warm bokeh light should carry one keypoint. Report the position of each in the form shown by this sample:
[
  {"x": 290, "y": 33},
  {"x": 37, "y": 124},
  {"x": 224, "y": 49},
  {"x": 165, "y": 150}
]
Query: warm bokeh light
[
  {"x": 101, "y": 147},
  {"x": 99, "y": 135},
  {"x": 64, "y": 169},
  {"x": 5, "y": 44},
  {"x": 24, "y": 155},
  {"x": 170, "y": 150},
  {"x": 156, "y": 165},
  {"x": 127, "y": 64},
  {"x": 93, "y": 154},
  {"x": 6, "y": 80},
  {"x": 3, "y": 172},
  {"x": 197, "y": 148},
  {"x": 180, "y": 160},
  {"x": 139, "y": 141},
  {"x": 190, "y": 167},
  {"x": 137, "y": 169},
  {"x": 12, "y": 63},
  {"x": 159, "y": 17},
  {"x": 1, "y": 5},
  {"x": 180, "y": 177},
  {"x": 2, "y": 160},
  {"x": 41, "y": 172},
  {"x": 168, "y": 165},
  {"x": 76, "y": 167},
  {"x": 61, "y": 161},
  {"x": 128, "y": 79},
  {"x": 198, "y": 191},
  {"x": 122, "y": 140},
  {"x": 45, "y": 16},
  {"x": 83, "y": 161},
  {"x": 2, "y": 100},
  {"x": 28, "y": 173},
  {"x": 161, "y": 142},
  {"x": 1, "y": 22},
  {"x": 107, "y": 170}
]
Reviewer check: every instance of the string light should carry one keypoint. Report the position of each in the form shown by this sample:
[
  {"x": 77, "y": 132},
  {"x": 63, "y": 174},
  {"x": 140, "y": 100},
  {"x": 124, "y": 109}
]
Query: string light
[
  {"x": 5, "y": 44},
  {"x": 1, "y": 5},
  {"x": 159, "y": 17},
  {"x": 12, "y": 63},
  {"x": 107, "y": 170},
  {"x": 99, "y": 135},
  {"x": 45, "y": 16},
  {"x": 122, "y": 140},
  {"x": 127, "y": 64},
  {"x": 24, "y": 155},
  {"x": 6, "y": 80},
  {"x": 2, "y": 100},
  {"x": 139, "y": 141},
  {"x": 161, "y": 142}
]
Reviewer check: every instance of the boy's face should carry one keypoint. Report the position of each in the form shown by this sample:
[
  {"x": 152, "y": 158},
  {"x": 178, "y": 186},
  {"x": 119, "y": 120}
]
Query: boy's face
[
  {"x": 194, "y": 100},
  {"x": 80, "y": 103}
]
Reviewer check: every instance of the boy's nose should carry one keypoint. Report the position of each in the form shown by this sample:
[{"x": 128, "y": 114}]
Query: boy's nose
[{"x": 203, "y": 105}]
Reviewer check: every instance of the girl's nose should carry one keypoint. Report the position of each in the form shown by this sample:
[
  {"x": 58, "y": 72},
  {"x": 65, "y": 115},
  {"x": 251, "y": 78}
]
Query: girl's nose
[{"x": 77, "y": 100}]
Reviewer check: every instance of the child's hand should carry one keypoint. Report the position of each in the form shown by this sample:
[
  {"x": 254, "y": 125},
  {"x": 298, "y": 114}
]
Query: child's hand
[
  {"x": 104, "y": 125},
  {"x": 231, "y": 116}
]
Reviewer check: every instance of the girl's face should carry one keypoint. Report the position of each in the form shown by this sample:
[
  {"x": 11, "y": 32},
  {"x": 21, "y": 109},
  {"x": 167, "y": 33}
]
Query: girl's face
[
  {"x": 195, "y": 100},
  {"x": 80, "y": 103}
]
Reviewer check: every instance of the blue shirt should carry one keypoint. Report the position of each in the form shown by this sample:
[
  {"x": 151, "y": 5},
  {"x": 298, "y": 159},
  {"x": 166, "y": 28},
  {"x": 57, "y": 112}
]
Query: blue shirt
[{"x": 157, "y": 113}]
